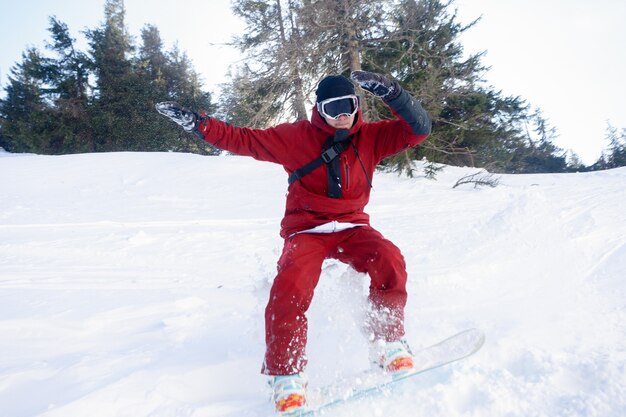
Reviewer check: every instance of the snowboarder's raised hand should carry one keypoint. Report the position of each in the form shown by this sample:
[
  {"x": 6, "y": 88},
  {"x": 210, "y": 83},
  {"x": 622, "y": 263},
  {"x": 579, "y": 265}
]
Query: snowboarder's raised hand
[
  {"x": 182, "y": 116},
  {"x": 377, "y": 84}
]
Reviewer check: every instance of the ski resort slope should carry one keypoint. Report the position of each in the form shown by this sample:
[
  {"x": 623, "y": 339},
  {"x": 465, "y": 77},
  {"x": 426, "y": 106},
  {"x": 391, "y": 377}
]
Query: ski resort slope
[{"x": 134, "y": 284}]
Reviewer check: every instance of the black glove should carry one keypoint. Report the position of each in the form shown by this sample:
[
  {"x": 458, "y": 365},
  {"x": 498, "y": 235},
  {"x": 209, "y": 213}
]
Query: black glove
[
  {"x": 184, "y": 117},
  {"x": 376, "y": 84}
]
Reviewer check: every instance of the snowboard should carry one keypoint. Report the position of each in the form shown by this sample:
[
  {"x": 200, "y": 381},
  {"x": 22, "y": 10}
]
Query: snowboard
[{"x": 371, "y": 383}]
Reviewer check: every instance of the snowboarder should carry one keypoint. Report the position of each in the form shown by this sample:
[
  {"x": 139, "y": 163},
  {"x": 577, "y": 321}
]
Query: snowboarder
[{"x": 330, "y": 161}]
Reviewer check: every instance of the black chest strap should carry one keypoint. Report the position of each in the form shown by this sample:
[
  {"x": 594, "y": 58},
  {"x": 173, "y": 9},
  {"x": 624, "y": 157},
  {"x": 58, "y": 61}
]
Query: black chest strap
[{"x": 333, "y": 147}]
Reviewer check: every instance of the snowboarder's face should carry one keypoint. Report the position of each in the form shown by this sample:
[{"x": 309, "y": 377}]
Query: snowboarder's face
[
  {"x": 342, "y": 122},
  {"x": 339, "y": 112}
]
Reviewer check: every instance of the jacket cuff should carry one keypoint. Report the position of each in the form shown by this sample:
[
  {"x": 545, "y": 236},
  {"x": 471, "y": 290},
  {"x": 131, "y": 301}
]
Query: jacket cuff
[{"x": 394, "y": 94}]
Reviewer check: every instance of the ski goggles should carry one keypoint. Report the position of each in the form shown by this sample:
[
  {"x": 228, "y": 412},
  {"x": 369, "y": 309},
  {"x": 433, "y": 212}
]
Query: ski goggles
[{"x": 335, "y": 107}]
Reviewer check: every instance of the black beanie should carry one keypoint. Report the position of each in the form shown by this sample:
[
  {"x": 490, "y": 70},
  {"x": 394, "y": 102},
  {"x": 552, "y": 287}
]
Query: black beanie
[{"x": 334, "y": 86}]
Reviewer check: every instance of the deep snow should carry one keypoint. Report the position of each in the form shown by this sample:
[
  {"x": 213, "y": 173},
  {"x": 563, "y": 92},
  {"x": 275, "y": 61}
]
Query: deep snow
[{"x": 133, "y": 284}]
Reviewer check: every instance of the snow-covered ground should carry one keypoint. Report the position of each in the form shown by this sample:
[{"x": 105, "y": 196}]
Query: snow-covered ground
[{"x": 133, "y": 284}]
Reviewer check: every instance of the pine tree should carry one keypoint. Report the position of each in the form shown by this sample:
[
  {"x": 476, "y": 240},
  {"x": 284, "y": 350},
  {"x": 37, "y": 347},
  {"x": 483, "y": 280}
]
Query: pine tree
[
  {"x": 21, "y": 109},
  {"x": 166, "y": 76},
  {"x": 289, "y": 47},
  {"x": 276, "y": 65},
  {"x": 45, "y": 108},
  {"x": 67, "y": 77},
  {"x": 128, "y": 86},
  {"x": 50, "y": 106},
  {"x": 614, "y": 156},
  {"x": 415, "y": 42},
  {"x": 112, "y": 112}
]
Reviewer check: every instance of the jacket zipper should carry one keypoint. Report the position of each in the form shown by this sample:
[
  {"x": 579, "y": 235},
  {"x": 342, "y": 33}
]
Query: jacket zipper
[{"x": 346, "y": 173}]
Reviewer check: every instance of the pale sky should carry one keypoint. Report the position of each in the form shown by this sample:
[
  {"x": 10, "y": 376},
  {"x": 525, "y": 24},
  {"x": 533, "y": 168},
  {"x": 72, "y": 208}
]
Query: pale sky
[{"x": 566, "y": 57}]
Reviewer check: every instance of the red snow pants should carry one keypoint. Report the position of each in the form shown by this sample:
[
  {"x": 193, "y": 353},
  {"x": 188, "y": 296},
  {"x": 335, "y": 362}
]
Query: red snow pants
[{"x": 299, "y": 269}]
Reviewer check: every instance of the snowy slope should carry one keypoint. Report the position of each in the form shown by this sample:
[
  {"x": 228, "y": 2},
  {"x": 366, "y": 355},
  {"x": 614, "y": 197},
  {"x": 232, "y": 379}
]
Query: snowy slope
[{"x": 133, "y": 284}]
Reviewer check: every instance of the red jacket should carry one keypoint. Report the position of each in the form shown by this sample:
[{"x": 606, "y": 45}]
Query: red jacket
[{"x": 293, "y": 145}]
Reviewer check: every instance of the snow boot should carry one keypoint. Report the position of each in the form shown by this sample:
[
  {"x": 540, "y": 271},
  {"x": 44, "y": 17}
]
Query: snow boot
[
  {"x": 395, "y": 358},
  {"x": 289, "y": 394}
]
